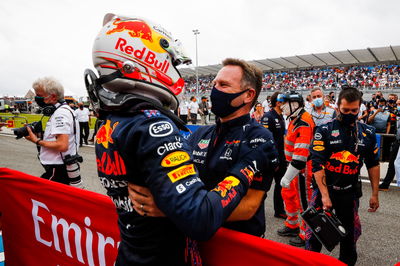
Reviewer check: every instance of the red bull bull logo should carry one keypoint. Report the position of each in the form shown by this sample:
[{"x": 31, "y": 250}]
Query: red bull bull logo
[
  {"x": 103, "y": 136},
  {"x": 345, "y": 157},
  {"x": 135, "y": 28},
  {"x": 226, "y": 185}
]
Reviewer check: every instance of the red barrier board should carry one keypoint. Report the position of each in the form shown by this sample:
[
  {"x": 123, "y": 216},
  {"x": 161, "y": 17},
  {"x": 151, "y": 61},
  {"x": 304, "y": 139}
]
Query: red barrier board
[{"x": 47, "y": 223}]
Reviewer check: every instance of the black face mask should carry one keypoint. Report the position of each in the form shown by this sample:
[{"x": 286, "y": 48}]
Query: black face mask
[
  {"x": 348, "y": 119},
  {"x": 40, "y": 101},
  {"x": 81, "y": 107},
  {"x": 221, "y": 102}
]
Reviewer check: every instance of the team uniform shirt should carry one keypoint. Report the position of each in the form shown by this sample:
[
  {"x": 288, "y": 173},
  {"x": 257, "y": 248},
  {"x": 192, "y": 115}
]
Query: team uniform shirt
[
  {"x": 327, "y": 114},
  {"x": 184, "y": 108},
  {"x": 194, "y": 107},
  {"x": 147, "y": 149},
  {"x": 218, "y": 148},
  {"x": 275, "y": 123},
  {"x": 82, "y": 115},
  {"x": 342, "y": 156},
  {"x": 60, "y": 122}
]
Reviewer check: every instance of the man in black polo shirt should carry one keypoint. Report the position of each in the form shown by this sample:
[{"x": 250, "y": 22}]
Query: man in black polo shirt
[{"x": 273, "y": 120}]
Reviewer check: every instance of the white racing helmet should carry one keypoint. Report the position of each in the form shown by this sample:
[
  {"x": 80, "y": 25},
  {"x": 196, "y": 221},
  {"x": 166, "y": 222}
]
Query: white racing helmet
[{"x": 135, "y": 56}]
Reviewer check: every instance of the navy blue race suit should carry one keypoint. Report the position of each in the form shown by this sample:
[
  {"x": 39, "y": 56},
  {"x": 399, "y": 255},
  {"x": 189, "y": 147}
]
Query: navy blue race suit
[
  {"x": 218, "y": 148},
  {"x": 341, "y": 151},
  {"x": 146, "y": 148}
]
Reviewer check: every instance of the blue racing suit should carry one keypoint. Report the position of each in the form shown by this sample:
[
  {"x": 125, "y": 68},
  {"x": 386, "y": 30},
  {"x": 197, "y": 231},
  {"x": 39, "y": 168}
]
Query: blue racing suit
[
  {"x": 218, "y": 148},
  {"x": 146, "y": 148}
]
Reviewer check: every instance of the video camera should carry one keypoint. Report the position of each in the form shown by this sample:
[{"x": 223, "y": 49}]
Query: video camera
[{"x": 36, "y": 127}]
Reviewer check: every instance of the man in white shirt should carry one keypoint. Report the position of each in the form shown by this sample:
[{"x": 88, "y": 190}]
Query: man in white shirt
[
  {"x": 193, "y": 109},
  {"x": 183, "y": 110},
  {"x": 83, "y": 116},
  {"x": 265, "y": 104},
  {"x": 58, "y": 151}
]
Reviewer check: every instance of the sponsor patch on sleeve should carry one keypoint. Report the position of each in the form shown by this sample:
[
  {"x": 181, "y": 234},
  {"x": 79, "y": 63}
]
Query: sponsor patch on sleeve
[
  {"x": 318, "y": 148},
  {"x": 59, "y": 121},
  {"x": 317, "y": 136},
  {"x": 160, "y": 129},
  {"x": 318, "y": 142},
  {"x": 225, "y": 185},
  {"x": 181, "y": 172},
  {"x": 175, "y": 158}
]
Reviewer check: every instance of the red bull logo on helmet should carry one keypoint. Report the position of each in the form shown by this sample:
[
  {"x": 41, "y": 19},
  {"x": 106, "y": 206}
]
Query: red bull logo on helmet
[
  {"x": 144, "y": 54},
  {"x": 135, "y": 28}
]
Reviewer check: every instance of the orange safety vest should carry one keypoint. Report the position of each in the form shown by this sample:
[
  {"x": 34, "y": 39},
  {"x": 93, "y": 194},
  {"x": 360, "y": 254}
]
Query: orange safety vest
[{"x": 298, "y": 137}]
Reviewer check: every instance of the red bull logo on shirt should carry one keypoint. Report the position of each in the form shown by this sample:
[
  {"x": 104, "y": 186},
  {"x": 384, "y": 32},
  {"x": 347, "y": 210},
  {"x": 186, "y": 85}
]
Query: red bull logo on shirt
[
  {"x": 225, "y": 185},
  {"x": 103, "y": 136},
  {"x": 344, "y": 157}
]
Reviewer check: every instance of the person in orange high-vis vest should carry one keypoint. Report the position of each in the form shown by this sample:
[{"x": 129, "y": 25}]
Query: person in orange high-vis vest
[{"x": 296, "y": 182}]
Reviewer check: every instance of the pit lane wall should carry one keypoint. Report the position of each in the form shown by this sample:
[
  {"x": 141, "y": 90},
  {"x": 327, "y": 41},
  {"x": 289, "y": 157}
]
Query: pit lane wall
[{"x": 47, "y": 223}]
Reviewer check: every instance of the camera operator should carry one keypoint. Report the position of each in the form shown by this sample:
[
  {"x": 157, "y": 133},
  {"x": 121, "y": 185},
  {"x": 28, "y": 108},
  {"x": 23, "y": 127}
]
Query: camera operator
[{"x": 58, "y": 151}]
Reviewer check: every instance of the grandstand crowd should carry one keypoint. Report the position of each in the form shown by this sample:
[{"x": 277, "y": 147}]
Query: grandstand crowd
[{"x": 368, "y": 77}]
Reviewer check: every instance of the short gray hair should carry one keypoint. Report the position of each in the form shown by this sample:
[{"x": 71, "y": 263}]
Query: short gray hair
[{"x": 50, "y": 86}]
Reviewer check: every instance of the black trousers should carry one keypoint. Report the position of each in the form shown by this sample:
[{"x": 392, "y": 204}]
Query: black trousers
[
  {"x": 184, "y": 118},
  {"x": 84, "y": 132},
  {"x": 345, "y": 205},
  {"x": 97, "y": 125},
  {"x": 57, "y": 173},
  {"x": 390, "y": 171},
  {"x": 193, "y": 118},
  {"x": 278, "y": 201}
]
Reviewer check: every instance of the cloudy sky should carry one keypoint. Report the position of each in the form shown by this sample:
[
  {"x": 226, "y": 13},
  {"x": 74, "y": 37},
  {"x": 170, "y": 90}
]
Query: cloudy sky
[{"x": 54, "y": 37}]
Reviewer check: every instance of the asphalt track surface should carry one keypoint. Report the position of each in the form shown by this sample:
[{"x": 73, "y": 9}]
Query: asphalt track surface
[{"x": 379, "y": 243}]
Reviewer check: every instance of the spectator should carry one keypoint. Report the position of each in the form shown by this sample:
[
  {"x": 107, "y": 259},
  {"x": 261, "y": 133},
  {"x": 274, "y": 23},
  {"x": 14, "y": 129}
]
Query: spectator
[
  {"x": 193, "y": 109},
  {"x": 394, "y": 149},
  {"x": 266, "y": 103},
  {"x": 183, "y": 110},
  {"x": 308, "y": 104},
  {"x": 379, "y": 118},
  {"x": 83, "y": 116},
  {"x": 363, "y": 114},
  {"x": 258, "y": 112},
  {"x": 203, "y": 110}
]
